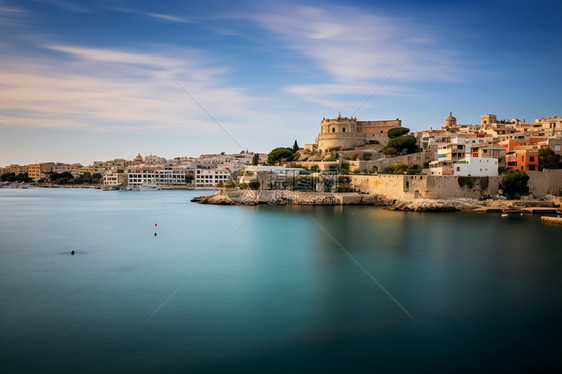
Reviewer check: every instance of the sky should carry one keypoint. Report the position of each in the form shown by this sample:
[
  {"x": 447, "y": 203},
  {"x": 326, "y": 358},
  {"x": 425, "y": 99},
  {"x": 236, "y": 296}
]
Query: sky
[{"x": 102, "y": 79}]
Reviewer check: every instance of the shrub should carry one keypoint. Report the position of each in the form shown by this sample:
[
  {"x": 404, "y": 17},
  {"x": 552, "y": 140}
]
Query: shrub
[
  {"x": 353, "y": 157},
  {"x": 514, "y": 183},
  {"x": 466, "y": 181},
  {"x": 397, "y": 131},
  {"x": 366, "y": 157},
  {"x": 345, "y": 167},
  {"x": 254, "y": 185},
  {"x": 230, "y": 184},
  {"x": 330, "y": 158}
]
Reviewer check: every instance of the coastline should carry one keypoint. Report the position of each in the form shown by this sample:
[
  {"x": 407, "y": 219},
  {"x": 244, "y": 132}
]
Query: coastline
[{"x": 250, "y": 198}]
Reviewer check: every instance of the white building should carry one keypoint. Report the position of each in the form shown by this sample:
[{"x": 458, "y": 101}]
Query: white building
[
  {"x": 468, "y": 141},
  {"x": 158, "y": 177},
  {"x": 114, "y": 178},
  {"x": 211, "y": 177},
  {"x": 467, "y": 167},
  {"x": 476, "y": 167}
]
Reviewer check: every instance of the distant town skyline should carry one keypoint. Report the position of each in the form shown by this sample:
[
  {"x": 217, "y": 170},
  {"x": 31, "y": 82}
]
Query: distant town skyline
[{"x": 80, "y": 81}]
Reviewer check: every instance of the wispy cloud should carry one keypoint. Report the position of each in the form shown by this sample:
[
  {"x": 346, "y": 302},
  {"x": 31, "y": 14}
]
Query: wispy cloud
[
  {"x": 166, "y": 17},
  {"x": 10, "y": 15},
  {"x": 111, "y": 90},
  {"x": 66, "y": 5},
  {"x": 355, "y": 48},
  {"x": 158, "y": 16}
]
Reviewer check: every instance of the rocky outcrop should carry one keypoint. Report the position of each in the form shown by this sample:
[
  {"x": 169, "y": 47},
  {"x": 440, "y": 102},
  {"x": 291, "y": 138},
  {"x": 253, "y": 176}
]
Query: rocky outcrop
[
  {"x": 247, "y": 197},
  {"x": 215, "y": 199},
  {"x": 423, "y": 205}
]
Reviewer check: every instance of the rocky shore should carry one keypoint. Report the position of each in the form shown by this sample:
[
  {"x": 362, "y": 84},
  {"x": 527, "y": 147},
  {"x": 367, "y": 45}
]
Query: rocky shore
[{"x": 238, "y": 197}]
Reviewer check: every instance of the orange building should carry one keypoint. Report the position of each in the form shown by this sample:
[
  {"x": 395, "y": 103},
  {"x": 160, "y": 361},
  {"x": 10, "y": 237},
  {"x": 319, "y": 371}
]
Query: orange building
[{"x": 525, "y": 159}]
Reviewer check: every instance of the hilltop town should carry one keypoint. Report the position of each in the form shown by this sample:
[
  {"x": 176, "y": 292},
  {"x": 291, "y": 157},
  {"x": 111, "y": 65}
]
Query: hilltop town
[{"x": 349, "y": 158}]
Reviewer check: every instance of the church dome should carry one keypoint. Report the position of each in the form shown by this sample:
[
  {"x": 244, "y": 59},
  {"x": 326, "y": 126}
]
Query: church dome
[{"x": 450, "y": 121}]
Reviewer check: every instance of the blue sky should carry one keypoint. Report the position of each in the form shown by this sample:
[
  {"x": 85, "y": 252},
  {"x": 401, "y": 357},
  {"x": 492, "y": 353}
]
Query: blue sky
[{"x": 78, "y": 81}]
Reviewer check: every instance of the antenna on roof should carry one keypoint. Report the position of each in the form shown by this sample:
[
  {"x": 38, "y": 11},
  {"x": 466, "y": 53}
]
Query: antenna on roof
[{"x": 381, "y": 86}]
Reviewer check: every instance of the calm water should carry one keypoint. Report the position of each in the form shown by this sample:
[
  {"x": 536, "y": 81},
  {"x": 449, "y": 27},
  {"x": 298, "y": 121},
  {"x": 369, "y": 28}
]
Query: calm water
[{"x": 279, "y": 296}]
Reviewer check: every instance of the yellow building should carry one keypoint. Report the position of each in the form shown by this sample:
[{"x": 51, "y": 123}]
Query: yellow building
[{"x": 38, "y": 171}]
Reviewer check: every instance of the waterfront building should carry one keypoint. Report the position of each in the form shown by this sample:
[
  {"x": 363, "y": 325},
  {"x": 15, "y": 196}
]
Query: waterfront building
[
  {"x": 167, "y": 176},
  {"x": 14, "y": 168},
  {"x": 38, "y": 171},
  {"x": 211, "y": 177},
  {"x": 115, "y": 178}
]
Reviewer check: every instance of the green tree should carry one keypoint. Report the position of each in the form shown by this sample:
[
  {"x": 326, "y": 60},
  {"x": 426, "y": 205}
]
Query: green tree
[
  {"x": 255, "y": 159},
  {"x": 514, "y": 184},
  {"x": 8, "y": 177},
  {"x": 295, "y": 146},
  {"x": 279, "y": 154},
  {"x": 397, "y": 145},
  {"x": 402, "y": 168},
  {"x": 397, "y": 131},
  {"x": 254, "y": 185},
  {"x": 345, "y": 167},
  {"x": 549, "y": 160},
  {"x": 96, "y": 178}
]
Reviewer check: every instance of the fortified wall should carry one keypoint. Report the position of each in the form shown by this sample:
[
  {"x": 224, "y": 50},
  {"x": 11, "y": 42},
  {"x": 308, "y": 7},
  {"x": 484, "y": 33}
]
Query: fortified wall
[
  {"x": 410, "y": 187},
  {"x": 347, "y": 132}
]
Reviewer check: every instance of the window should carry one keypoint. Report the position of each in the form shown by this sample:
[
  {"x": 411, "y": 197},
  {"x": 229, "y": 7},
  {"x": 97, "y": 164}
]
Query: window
[
  {"x": 531, "y": 158},
  {"x": 343, "y": 129},
  {"x": 333, "y": 129}
]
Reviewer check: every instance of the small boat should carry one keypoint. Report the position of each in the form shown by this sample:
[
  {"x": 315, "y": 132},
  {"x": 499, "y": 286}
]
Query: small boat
[{"x": 504, "y": 215}]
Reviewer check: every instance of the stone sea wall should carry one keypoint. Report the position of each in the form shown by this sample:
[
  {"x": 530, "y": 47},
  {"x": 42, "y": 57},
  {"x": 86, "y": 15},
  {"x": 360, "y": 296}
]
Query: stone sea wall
[{"x": 410, "y": 187}]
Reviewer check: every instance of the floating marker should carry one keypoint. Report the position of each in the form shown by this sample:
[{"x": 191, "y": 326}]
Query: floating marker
[
  {"x": 155, "y": 224},
  {"x": 72, "y": 252},
  {"x": 155, "y": 234}
]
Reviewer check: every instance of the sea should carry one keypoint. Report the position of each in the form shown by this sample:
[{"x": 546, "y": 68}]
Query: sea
[{"x": 158, "y": 284}]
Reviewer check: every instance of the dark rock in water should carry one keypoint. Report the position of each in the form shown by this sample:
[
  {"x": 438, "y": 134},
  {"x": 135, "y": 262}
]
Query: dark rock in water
[{"x": 214, "y": 199}]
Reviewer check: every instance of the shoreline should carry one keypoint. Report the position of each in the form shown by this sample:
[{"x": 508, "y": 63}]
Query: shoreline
[
  {"x": 251, "y": 198},
  {"x": 99, "y": 187}
]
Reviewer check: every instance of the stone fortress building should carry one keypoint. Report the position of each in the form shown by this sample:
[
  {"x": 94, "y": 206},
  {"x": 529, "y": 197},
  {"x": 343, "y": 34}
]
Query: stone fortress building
[{"x": 348, "y": 133}]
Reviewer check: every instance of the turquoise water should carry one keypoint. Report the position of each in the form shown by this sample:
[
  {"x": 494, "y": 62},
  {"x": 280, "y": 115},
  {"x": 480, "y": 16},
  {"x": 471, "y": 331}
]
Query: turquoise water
[{"x": 278, "y": 295}]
